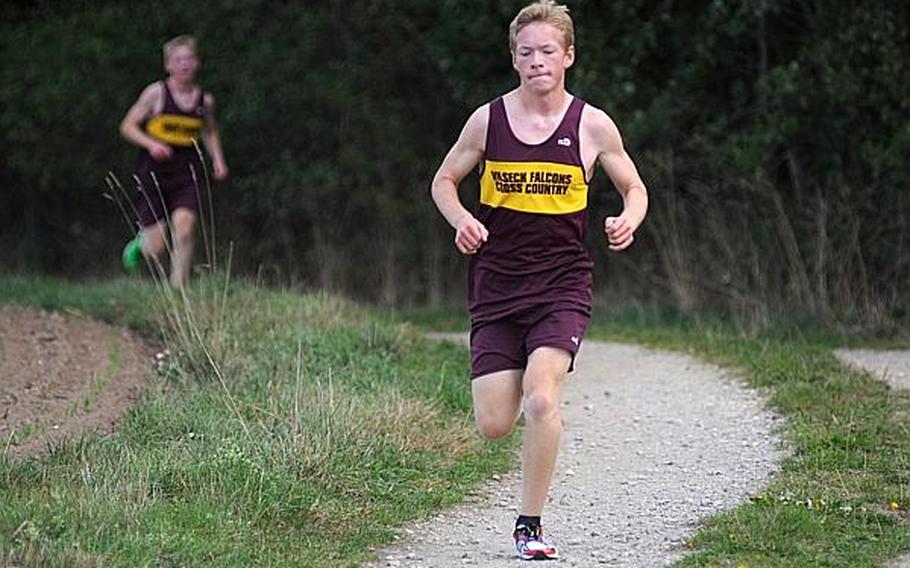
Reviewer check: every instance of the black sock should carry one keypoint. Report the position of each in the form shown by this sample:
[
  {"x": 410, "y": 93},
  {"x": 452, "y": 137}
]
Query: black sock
[{"x": 530, "y": 522}]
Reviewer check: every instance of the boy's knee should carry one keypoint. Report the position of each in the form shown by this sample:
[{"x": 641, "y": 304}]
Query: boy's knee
[
  {"x": 184, "y": 232},
  {"x": 152, "y": 246},
  {"x": 494, "y": 428},
  {"x": 539, "y": 406},
  {"x": 184, "y": 237}
]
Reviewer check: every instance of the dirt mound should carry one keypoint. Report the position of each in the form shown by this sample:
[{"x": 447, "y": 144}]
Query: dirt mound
[{"x": 64, "y": 374}]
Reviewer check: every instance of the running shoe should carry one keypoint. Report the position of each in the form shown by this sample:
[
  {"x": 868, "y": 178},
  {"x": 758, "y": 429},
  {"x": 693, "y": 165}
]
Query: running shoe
[
  {"x": 531, "y": 545},
  {"x": 132, "y": 254}
]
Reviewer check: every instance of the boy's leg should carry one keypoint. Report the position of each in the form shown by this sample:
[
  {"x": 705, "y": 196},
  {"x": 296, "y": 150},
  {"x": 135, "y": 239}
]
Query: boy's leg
[
  {"x": 497, "y": 363},
  {"x": 542, "y": 387},
  {"x": 497, "y": 402},
  {"x": 148, "y": 244},
  {"x": 152, "y": 240},
  {"x": 183, "y": 227}
]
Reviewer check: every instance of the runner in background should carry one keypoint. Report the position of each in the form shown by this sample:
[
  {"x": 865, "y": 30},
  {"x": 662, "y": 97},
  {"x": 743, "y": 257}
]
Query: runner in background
[{"x": 166, "y": 121}]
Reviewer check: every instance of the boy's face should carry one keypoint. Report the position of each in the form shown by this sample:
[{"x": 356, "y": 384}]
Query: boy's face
[
  {"x": 540, "y": 58},
  {"x": 182, "y": 64}
]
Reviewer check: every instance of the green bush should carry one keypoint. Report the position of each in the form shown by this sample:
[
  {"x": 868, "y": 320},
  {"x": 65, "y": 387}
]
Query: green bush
[{"x": 772, "y": 136}]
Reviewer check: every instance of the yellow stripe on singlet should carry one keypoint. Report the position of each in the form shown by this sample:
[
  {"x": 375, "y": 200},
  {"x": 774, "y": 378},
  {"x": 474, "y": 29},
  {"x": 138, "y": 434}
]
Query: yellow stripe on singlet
[
  {"x": 534, "y": 187},
  {"x": 174, "y": 129}
]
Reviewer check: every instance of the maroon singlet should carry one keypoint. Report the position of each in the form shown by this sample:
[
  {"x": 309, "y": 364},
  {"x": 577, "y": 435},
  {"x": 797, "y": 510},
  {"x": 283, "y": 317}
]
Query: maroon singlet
[
  {"x": 534, "y": 204},
  {"x": 179, "y": 178}
]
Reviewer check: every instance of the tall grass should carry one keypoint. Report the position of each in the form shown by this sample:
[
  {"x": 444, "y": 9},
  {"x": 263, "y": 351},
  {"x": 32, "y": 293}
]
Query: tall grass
[
  {"x": 295, "y": 431},
  {"x": 759, "y": 250},
  {"x": 745, "y": 247}
]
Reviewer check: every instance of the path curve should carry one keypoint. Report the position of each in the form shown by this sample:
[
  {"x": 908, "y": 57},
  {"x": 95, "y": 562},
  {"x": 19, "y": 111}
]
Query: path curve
[
  {"x": 653, "y": 442},
  {"x": 893, "y": 367}
]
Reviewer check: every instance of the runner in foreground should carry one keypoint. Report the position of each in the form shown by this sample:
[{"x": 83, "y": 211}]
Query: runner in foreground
[
  {"x": 530, "y": 277},
  {"x": 166, "y": 121}
]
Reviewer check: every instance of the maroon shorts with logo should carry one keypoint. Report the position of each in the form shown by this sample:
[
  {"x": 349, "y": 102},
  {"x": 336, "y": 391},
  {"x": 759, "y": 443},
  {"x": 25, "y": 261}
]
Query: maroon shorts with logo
[{"x": 506, "y": 343}]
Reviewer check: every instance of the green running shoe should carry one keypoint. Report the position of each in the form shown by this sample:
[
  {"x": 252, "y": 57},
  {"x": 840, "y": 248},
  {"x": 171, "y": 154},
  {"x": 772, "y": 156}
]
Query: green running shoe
[{"x": 132, "y": 254}]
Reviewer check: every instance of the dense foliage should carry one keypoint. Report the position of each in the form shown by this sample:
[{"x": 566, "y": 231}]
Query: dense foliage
[{"x": 772, "y": 135}]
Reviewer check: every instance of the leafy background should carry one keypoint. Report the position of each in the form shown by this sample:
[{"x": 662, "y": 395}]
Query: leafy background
[{"x": 772, "y": 136}]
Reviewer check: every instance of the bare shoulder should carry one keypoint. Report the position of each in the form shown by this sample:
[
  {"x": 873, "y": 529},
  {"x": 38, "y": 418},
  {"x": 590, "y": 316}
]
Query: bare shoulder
[
  {"x": 598, "y": 127},
  {"x": 150, "y": 101},
  {"x": 208, "y": 100},
  {"x": 594, "y": 117},
  {"x": 479, "y": 119},
  {"x": 468, "y": 149},
  {"x": 152, "y": 92},
  {"x": 474, "y": 132}
]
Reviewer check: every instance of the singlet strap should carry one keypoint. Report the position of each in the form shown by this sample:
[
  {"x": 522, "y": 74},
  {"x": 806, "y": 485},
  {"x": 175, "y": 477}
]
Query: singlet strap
[
  {"x": 200, "y": 102},
  {"x": 573, "y": 115},
  {"x": 169, "y": 103},
  {"x": 494, "y": 123}
]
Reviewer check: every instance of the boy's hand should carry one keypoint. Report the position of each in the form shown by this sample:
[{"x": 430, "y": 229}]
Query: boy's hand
[
  {"x": 470, "y": 234},
  {"x": 619, "y": 232},
  {"x": 219, "y": 170},
  {"x": 160, "y": 152}
]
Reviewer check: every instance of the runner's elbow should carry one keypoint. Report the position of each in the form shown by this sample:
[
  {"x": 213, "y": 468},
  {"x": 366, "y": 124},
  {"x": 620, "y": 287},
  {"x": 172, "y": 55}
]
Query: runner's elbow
[
  {"x": 126, "y": 129},
  {"x": 443, "y": 184}
]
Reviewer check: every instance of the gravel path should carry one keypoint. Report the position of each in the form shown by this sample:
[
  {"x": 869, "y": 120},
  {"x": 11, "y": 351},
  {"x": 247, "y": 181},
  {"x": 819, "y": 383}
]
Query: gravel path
[
  {"x": 893, "y": 367},
  {"x": 653, "y": 442}
]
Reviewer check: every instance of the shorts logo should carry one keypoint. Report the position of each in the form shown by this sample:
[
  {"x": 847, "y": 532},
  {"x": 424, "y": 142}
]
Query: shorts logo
[
  {"x": 574, "y": 340},
  {"x": 566, "y": 141}
]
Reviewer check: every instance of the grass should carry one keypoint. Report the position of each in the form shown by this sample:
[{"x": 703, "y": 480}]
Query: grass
[
  {"x": 113, "y": 368},
  {"x": 285, "y": 430},
  {"x": 298, "y": 429}
]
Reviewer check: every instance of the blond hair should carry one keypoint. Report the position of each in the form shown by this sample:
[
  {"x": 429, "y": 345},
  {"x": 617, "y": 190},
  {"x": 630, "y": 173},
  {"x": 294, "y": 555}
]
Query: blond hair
[
  {"x": 548, "y": 12},
  {"x": 179, "y": 41}
]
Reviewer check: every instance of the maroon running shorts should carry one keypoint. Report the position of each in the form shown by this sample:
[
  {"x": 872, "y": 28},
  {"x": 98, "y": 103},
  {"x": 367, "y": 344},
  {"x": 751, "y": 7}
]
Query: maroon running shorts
[
  {"x": 175, "y": 189},
  {"x": 506, "y": 343}
]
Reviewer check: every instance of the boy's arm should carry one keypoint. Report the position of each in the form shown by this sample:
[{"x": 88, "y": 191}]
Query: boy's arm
[
  {"x": 131, "y": 125},
  {"x": 614, "y": 160},
  {"x": 461, "y": 159},
  {"x": 212, "y": 139}
]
